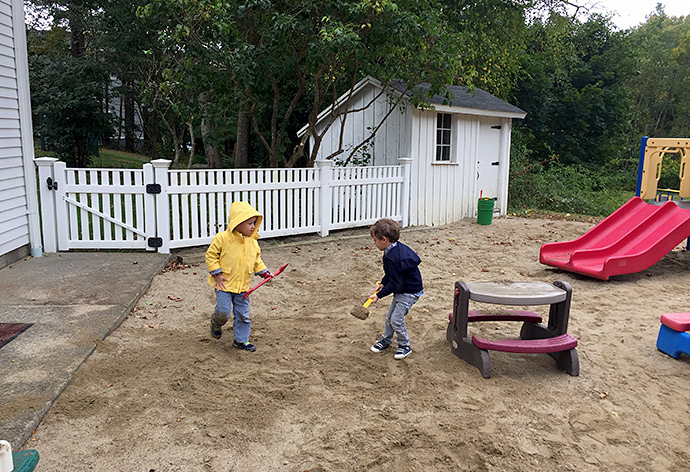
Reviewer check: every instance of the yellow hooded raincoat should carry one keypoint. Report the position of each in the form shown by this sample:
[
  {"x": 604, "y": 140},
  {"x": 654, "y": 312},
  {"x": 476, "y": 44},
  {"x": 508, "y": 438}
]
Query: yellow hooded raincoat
[{"x": 238, "y": 256}]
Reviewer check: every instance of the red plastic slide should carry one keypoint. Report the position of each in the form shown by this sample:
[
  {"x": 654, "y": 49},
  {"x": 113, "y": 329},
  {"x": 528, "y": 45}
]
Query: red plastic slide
[{"x": 629, "y": 240}]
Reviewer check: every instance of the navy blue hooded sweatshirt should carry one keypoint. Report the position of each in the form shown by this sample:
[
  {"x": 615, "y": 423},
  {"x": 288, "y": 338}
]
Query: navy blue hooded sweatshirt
[{"x": 402, "y": 274}]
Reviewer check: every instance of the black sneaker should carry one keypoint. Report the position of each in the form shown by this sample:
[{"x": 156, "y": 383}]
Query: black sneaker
[
  {"x": 216, "y": 332},
  {"x": 244, "y": 346},
  {"x": 403, "y": 352},
  {"x": 380, "y": 346}
]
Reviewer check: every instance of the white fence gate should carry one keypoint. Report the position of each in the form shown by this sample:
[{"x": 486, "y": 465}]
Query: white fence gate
[{"x": 156, "y": 207}]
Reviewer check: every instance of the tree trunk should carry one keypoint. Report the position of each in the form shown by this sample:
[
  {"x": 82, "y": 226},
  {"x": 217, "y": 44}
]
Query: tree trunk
[
  {"x": 242, "y": 149},
  {"x": 151, "y": 134},
  {"x": 213, "y": 158},
  {"x": 129, "y": 119},
  {"x": 190, "y": 161},
  {"x": 77, "y": 39}
]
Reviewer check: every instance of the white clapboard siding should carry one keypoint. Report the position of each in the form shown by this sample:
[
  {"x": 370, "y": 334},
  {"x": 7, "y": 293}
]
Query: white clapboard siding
[
  {"x": 390, "y": 142},
  {"x": 19, "y": 225},
  {"x": 14, "y": 228}
]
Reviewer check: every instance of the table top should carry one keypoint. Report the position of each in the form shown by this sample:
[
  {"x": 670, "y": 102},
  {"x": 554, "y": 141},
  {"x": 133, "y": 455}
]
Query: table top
[{"x": 516, "y": 293}]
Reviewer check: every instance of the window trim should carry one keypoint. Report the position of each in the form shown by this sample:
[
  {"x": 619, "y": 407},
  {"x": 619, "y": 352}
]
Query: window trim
[{"x": 440, "y": 146}]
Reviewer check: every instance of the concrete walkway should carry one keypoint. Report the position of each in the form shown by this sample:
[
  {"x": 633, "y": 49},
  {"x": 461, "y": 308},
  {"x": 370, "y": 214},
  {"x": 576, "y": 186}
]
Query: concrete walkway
[{"x": 74, "y": 300}]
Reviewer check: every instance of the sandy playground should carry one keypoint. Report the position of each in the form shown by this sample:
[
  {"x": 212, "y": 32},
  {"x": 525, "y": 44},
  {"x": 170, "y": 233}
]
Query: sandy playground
[{"x": 161, "y": 395}]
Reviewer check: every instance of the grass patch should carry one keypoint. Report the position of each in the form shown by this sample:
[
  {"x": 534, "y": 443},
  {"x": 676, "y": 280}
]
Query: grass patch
[{"x": 110, "y": 158}]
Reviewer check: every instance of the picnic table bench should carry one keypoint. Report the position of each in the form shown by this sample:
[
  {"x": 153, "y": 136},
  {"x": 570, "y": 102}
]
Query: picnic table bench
[{"x": 552, "y": 338}]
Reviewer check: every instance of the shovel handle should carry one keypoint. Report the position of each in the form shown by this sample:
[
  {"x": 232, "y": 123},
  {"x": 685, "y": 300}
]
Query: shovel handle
[
  {"x": 369, "y": 300},
  {"x": 277, "y": 272}
]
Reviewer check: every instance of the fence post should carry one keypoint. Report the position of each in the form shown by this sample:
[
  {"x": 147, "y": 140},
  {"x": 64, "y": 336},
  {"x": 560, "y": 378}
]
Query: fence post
[
  {"x": 325, "y": 194},
  {"x": 48, "y": 221},
  {"x": 149, "y": 205},
  {"x": 406, "y": 163},
  {"x": 160, "y": 169},
  {"x": 61, "y": 216}
]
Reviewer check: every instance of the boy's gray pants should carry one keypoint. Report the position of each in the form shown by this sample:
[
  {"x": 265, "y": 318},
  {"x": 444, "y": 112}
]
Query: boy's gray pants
[{"x": 395, "y": 319}]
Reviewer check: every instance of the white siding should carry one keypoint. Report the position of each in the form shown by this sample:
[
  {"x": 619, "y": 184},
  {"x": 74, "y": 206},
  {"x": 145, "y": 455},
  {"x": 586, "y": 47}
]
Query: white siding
[
  {"x": 390, "y": 143},
  {"x": 445, "y": 192},
  {"x": 14, "y": 198}
]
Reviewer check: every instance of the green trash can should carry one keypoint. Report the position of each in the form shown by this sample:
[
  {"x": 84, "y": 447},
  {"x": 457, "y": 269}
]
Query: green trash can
[{"x": 485, "y": 210}]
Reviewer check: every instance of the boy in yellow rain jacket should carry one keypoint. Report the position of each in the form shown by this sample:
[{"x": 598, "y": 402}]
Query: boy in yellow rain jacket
[{"x": 233, "y": 256}]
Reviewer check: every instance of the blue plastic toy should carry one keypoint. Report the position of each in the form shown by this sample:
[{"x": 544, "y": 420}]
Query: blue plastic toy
[{"x": 673, "y": 339}]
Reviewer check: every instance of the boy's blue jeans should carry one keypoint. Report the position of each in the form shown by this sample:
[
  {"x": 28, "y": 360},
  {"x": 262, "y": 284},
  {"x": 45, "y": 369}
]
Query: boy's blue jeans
[
  {"x": 227, "y": 302},
  {"x": 395, "y": 319}
]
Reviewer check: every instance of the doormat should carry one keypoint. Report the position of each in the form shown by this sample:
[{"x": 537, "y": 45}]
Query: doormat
[{"x": 9, "y": 331}]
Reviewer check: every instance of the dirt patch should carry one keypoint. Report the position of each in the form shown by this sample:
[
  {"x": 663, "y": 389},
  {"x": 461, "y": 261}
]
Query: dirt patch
[{"x": 161, "y": 394}]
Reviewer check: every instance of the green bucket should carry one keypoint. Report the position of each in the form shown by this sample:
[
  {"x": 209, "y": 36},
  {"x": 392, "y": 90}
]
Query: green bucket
[{"x": 485, "y": 210}]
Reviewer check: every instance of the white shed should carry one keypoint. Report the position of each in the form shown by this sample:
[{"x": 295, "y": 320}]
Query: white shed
[
  {"x": 20, "y": 233},
  {"x": 459, "y": 151}
]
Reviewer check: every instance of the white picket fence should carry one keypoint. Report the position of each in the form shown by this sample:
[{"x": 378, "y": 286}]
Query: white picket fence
[{"x": 158, "y": 208}]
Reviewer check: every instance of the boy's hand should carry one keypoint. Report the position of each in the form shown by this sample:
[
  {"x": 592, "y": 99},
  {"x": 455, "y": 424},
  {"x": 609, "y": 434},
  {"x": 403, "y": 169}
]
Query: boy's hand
[
  {"x": 219, "y": 282},
  {"x": 379, "y": 287},
  {"x": 267, "y": 274},
  {"x": 374, "y": 298}
]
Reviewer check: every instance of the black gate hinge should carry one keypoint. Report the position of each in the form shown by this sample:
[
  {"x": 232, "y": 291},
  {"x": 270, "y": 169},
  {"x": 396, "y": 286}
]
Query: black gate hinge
[{"x": 52, "y": 185}]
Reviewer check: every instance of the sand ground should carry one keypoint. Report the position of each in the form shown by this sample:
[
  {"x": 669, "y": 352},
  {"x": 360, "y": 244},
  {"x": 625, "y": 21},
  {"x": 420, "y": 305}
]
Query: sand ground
[{"x": 160, "y": 394}]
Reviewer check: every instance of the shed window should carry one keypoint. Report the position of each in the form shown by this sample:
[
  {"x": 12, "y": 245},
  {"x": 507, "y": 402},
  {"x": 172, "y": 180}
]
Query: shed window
[{"x": 443, "y": 123}]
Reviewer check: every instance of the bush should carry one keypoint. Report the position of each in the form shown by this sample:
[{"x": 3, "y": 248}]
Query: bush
[{"x": 552, "y": 186}]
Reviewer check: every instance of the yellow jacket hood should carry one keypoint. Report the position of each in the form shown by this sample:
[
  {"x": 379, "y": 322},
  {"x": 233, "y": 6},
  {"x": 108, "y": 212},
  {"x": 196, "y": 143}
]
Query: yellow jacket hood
[{"x": 240, "y": 212}]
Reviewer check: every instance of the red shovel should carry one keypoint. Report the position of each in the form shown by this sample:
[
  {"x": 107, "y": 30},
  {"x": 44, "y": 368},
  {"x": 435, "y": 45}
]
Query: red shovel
[{"x": 277, "y": 272}]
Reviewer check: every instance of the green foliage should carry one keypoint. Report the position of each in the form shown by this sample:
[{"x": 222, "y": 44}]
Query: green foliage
[
  {"x": 493, "y": 35},
  {"x": 573, "y": 90},
  {"x": 286, "y": 61},
  {"x": 553, "y": 186},
  {"x": 68, "y": 95},
  {"x": 661, "y": 47}
]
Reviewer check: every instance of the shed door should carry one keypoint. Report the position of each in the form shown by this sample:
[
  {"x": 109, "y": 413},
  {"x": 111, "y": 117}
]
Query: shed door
[{"x": 488, "y": 153}]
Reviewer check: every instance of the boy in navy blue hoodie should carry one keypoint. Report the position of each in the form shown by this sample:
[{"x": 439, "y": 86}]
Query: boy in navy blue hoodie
[{"x": 402, "y": 278}]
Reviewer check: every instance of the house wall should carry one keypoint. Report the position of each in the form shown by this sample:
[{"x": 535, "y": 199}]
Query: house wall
[
  {"x": 391, "y": 141},
  {"x": 18, "y": 202},
  {"x": 444, "y": 192}
]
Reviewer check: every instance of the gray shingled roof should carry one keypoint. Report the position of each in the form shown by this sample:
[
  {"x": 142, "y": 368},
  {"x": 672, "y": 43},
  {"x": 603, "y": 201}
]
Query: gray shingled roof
[{"x": 481, "y": 100}]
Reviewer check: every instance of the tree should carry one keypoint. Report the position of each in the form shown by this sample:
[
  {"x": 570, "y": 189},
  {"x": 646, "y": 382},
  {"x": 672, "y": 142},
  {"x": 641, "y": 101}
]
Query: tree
[
  {"x": 285, "y": 57},
  {"x": 661, "y": 85},
  {"x": 67, "y": 95},
  {"x": 573, "y": 89}
]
